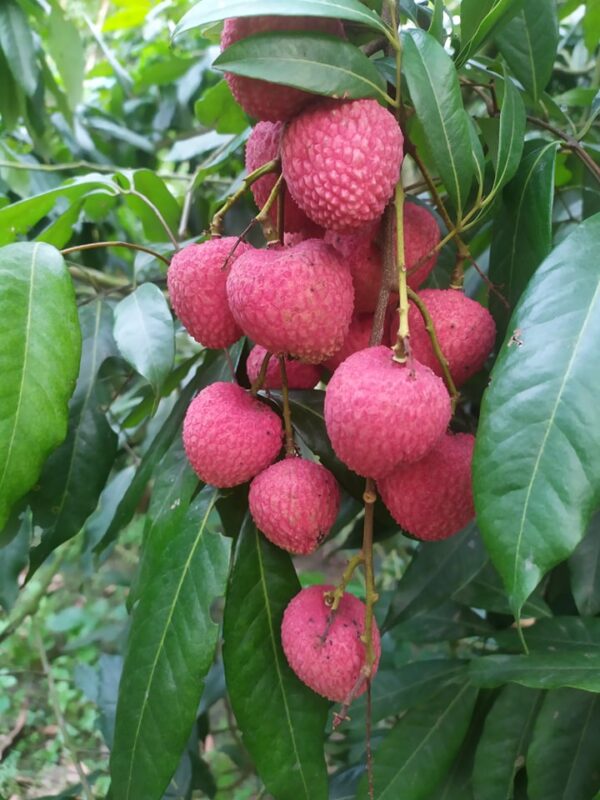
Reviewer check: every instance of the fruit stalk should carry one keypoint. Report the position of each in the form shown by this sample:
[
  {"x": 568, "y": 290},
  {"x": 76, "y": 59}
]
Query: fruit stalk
[
  {"x": 260, "y": 378},
  {"x": 216, "y": 226},
  {"x": 370, "y": 496},
  {"x": 402, "y": 346},
  {"x": 290, "y": 446},
  {"x": 334, "y": 598}
]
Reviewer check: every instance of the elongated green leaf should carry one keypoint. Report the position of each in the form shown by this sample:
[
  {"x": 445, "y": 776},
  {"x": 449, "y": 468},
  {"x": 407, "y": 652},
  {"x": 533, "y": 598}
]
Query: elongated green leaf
[
  {"x": 509, "y": 146},
  {"x": 435, "y": 93},
  {"x": 447, "y": 621},
  {"x": 578, "y": 669},
  {"x": 145, "y": 334},
  {"x": 207, "y": 11},
  {"x": 437, "y": 571},
  {"x": 503, "y": 745},
  {"x": 486, "y": 591},
  {"x": 9, "y": 97},
  {"x": 480, "y": 19},
  {"x": 40, "y": 345},
  {"x": 315, "y": 62},
  {"x": 522, "y": 228},
  {"x": 557, "y": 634},
  {"x": 170, "y": 649},
  {"x": 67, "y": 50},
  {"x": 281, "y": 720},
  {"x": 537, "y": 458},
  {"x": 529, "y": 42},
  {"x": 562, "y": 763},
  {"x": 16, "y": 41},
  {"x": 420, "y": 748},
  {"x": 214, "y": 368},
  {"x": 75, "y": 474},
  {"x": 591, "y": 24},
  {"x": 584, "y": 566}
]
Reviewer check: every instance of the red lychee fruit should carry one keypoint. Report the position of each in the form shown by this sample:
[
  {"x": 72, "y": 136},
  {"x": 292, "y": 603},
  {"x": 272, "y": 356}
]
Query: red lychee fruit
[
  {"x": 229, "y": 436},
  {"x": 196, "y": 281},
  {"x": 294, "y": 503},
  {"x": 263, "y": 146},
  {"x": 262, "y": 99},
  {"x": 293, "y": 300},
  {"x": 363, "y": 256},
  {"x": 379, "y": 413},
  {"x": 357, "y": 339},
  {"x": 421, "y": 236},
  {"x": 465, "y": 329},
  {"x": 433, "y": 499},
  {"x": 299, "y": 375},
  {"x": 324, "y": 650},
  {"x": 341, "y": 162}
]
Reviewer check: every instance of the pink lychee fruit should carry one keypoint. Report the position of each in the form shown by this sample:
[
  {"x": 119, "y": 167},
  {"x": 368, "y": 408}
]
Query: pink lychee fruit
[
  {"x": 299, "y": 375},
  {"x": 341, "y": 161},
  {"x": 293, "y": 300},
  {"x": 421, "y": 236},
  {"x": 263, "y": 146},
  {"x": 294, "y": 503},
  {"x": 433, "y": 499},
  {"x": 196, "y": 281},
  {"x": 262, "y": 99},
  {"x": 380, "y": 413},
  {"x": 465, "y": 329},
  {"x": 324, "y": 649},
  {"x": 363, "y": 255},
  {"x": 357, "y": 339},
  {"x": 230, "y": 436}
]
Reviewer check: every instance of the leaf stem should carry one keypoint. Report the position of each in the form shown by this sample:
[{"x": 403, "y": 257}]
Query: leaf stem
[
  {"x": 216, "y": 226},
  {"x": 128, "y": 245},
  {"x": 290, "y": 445}
]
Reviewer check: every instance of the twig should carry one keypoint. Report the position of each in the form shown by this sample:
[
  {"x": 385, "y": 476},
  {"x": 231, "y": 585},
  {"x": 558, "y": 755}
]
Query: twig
[
  {"x": 402, "y": 346},
  {"x": 290, "y": 445},
  {"x": 154, "y": 209},
  {"x": 572, "y": 143},
  {"x": 216, "y": 226},
  {"x": 261, "y": 377},
  {"x": 387, "y": 279},
  {"x": 127, "y": 245}
]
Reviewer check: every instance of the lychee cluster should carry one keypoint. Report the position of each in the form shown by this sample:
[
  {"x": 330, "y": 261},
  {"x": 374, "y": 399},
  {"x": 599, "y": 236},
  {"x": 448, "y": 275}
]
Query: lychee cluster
[{"x": 307, "y": 303}]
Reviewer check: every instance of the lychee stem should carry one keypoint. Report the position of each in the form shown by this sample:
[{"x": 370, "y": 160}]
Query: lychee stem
[
  {"x": 271, "y": 233},
  {"x": 435, "y": 343},
  {"x": 216, "y": 226},
  {"x": 290, "y": 445},
  {"x": 334, "y": 597},
  {"x": 94, "y": 245},
  {"x": 260, "y": 378},
  {"x": 369, "y": 496},
  {"x": 387, "y": 280},
  {"x": 402, "y": 346}
]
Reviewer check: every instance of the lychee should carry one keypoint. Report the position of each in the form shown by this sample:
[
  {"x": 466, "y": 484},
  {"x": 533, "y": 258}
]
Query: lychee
[
  {"x": 341, "y": 161},
  {"x": 299, "y": 375},
  {"x": 433, "y": 499},
  {"x": 364, "y": 258},
  {"x": 294, "y": 503},
  {"x": 324, "y": 649},
  {"x": 262, "y": 99},
  {"x": 380, "y": 413},
  {"x": 196, "y": 281},
  {"x": 293, "y": 300},
  {"x": 229, "y": 436},
  {"x": 357, "y": 338},
  {"x": 465, "y": 329},
  {"x": 263, "y": 146}
]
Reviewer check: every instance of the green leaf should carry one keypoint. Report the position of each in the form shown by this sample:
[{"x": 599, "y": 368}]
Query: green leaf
[
  {"x": 171, "y": 646},
  {"x": 537, "y": 458},
  {"x": 436, "y": 572},
  {"x": 557, "y": 634},
  {"x": 447, "y": 621},
  {"x": 9, "y": 97},
  {"x": 509, "y": 147},
  {"x": 435, "y": 93},
  {"x": 14, "y": 557},
  {"x": 207, "y": 11},
  {"x": 314, "y": 62},
  {"x": 529, "y": 42},
  {"x": 487, "y": 592},
  {"x": 67, "y": 50},
  {"x": 218, "y": 111},
  {"x": 145, "y": 334},
  {"x": 282, "y": 721},
  {"x": 578, "y": 669},
  {"x": 214, "y": 368},
  {"x": 436, "y": 29},
  {"x": 504, "y": 742},
  {"x": 522, "y": 227},
  {"x": 16, "y": 40},
  {"x": 419, "y": 750},
  {"x": 76, "y": 473},
  {"x": 591, "y": 25},
  {"x": 40, "y": 345},
  {"x": 480, "y": 19},
  {"x": 153, "y": 189},
  {"x": 584, "y": 566},
  {"x": 562, "y": 763}
]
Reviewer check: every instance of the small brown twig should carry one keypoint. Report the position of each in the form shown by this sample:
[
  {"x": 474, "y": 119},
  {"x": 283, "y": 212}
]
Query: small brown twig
[
  {"x": 216, "y": 226},
  {"x": 261, "y": 377},
  {"x": 290, "y": 445}
]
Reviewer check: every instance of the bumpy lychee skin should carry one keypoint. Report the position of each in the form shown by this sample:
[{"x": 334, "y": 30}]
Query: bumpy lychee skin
[
  {"x": 465, "y": 329},
  {"x": 330, "y": 666},
  {"x": 421, "y": 236},
  {"x": 262, "y": 99},
  {"x": 299, "y": 375},
  {"x": 433, "y": 499},
  {"x": 357, "y": 339},
  {"x": 379, "y": 413},
  {"x": 196, "y": 281},
  {"x": 293, "y": 300},
  {"x": 363, "y": 256},
  {"x": 263, "y": 146},
  {"x": 294, "y": 503},
  {"x": 229, "y": 436},
  {"x": 341, "y": 162}
]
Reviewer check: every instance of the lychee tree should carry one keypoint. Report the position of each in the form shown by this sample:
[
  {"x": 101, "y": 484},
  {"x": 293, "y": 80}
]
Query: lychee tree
[{"x": 358, "y": 422}]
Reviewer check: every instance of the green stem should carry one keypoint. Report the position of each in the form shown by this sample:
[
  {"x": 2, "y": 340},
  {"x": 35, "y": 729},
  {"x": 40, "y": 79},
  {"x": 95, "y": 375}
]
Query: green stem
[
  {"x": 95, "y": 245},
  {"x": 333, "y": 598},
  {"x": 216, "y": 226},
  {"x": 402, "y": 346}
]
